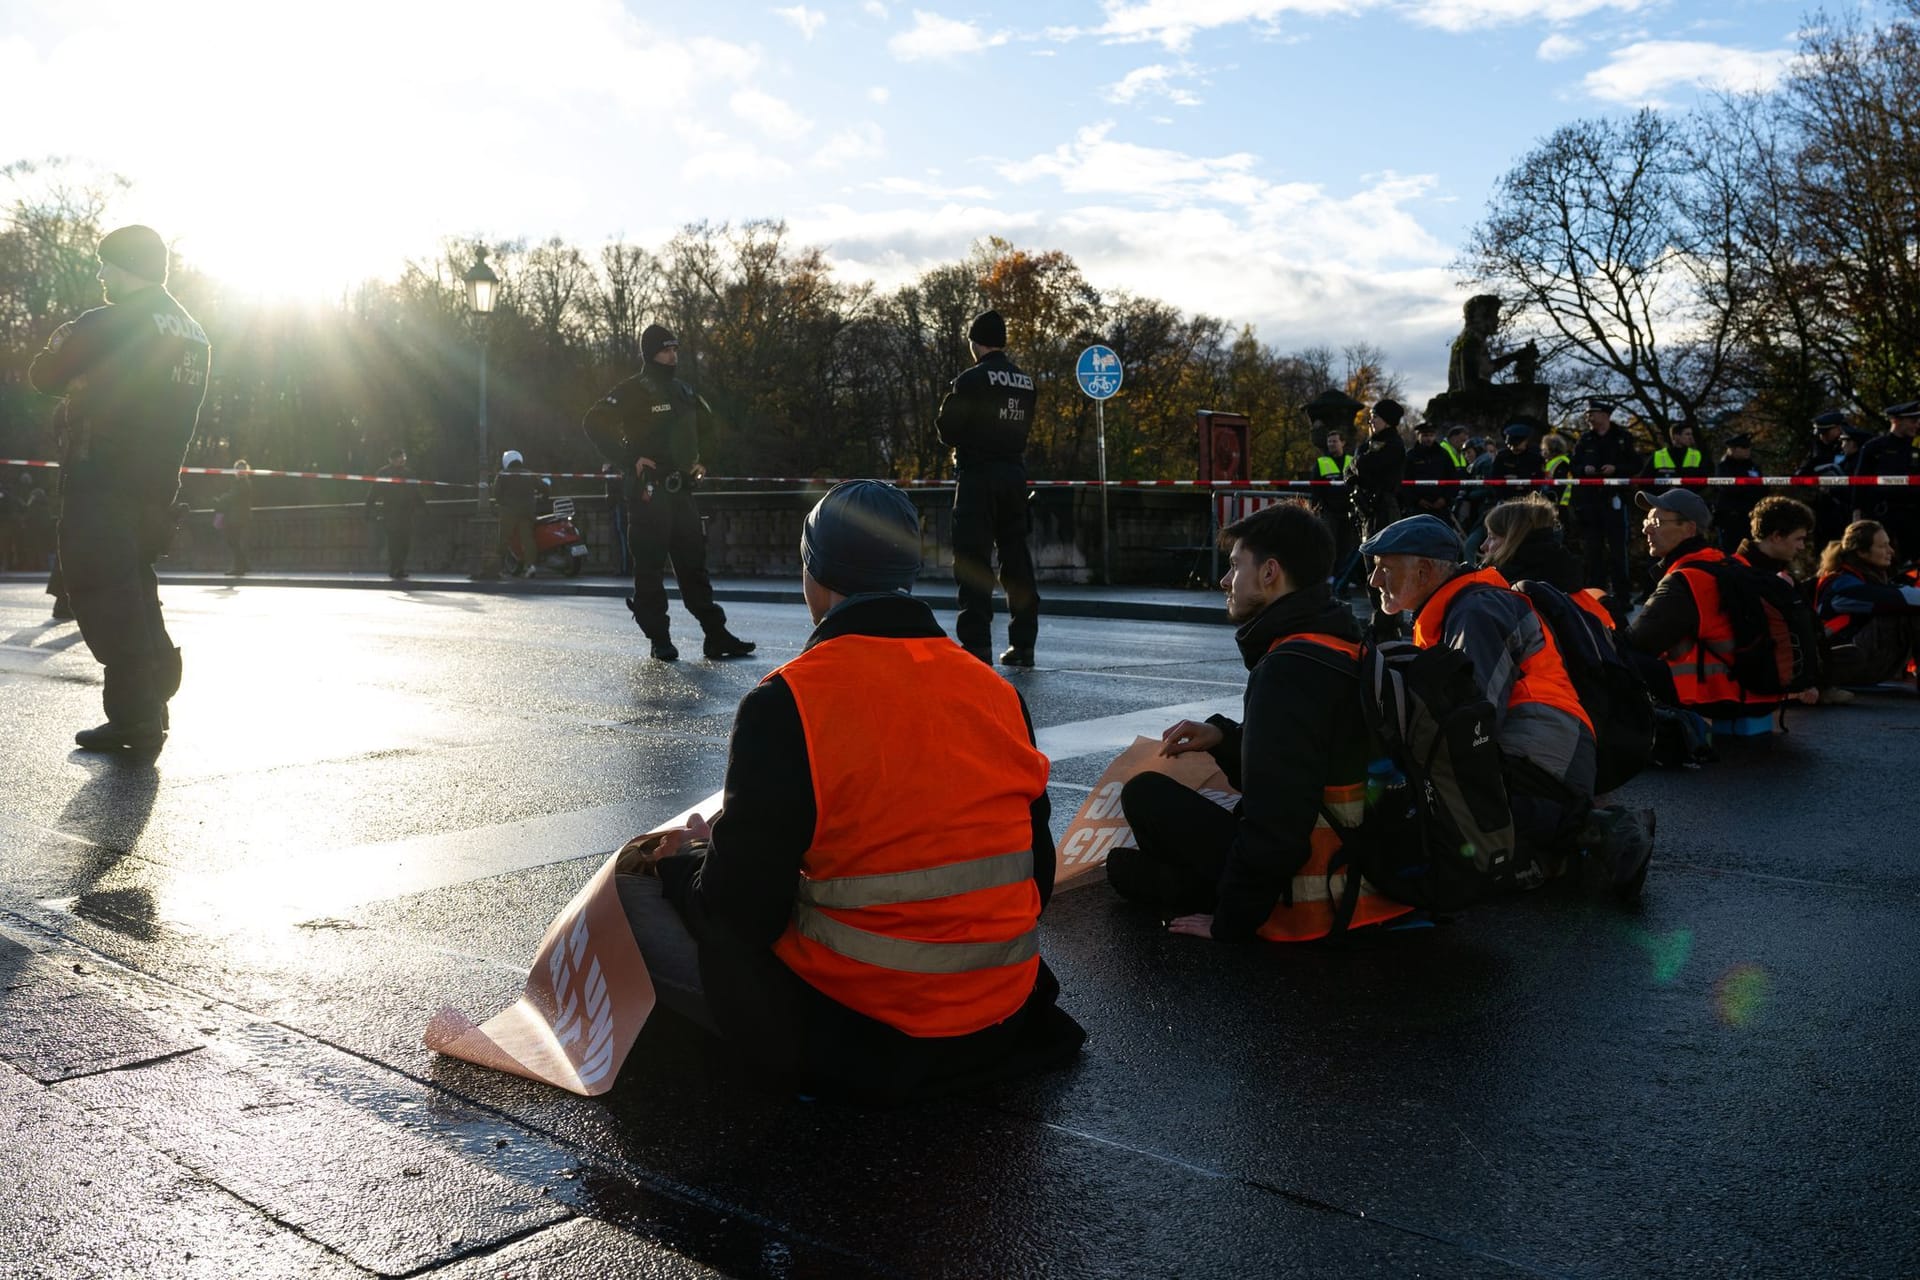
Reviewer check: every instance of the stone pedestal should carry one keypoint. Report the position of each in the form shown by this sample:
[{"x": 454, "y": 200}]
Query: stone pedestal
[{"x": 1487, "y": 410}]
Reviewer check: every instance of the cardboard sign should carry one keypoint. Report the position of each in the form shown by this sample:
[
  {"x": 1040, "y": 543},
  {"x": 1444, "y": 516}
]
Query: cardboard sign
[
  {"x": 586, "y": 997},
  {"x": 1100, "y": 824}
]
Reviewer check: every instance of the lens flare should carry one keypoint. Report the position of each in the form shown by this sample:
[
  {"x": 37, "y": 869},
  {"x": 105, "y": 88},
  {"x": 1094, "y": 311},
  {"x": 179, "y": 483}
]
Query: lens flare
[
  {"x": 1669, "y": 952},
  {"x": 1740, "y": 994}
]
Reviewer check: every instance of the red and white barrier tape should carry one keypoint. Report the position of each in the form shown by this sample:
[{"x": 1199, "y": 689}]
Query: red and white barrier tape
[{"x": 1634, "y": 482}]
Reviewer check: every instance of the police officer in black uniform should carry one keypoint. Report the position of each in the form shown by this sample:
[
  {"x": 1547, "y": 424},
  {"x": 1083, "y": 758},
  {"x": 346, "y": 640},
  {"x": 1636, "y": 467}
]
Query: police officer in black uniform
[
  {"x": 1733, "y": 505},
  {"x": 985, "y": 419},
  {"x": 1892, "y": 454},
  {"x": 1605, "y": 452},
  {"x": 649, "y": 427},
  {"x": 400, "y": 503},
  {"x": 134, "y": 374}
]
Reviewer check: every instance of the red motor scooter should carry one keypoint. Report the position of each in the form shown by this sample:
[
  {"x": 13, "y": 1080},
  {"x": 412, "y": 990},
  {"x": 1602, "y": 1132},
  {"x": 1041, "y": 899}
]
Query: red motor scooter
[{"x": 557, "y": 544}]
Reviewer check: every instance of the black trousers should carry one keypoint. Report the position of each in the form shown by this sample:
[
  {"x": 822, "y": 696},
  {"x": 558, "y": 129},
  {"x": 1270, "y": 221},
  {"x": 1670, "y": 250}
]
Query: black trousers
[
  {"x": 1603, "y": 539},
  {"x": 107, "y": 549},
  {"x": 990, "y": 514},
  {"x": 239, "y": 535},
  {"x": 399, "y": 541},
  {"x": 666, "y": 527},
  {"x": 1183, "y": 841}
]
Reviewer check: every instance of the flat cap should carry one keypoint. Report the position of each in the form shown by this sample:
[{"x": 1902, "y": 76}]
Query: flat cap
[
  {"x": 1831, "y": 418},
  {"x": 1427, "y": 536},
  {"x": 1599, "y": 404},
  {"x": 1517, "y": 431},
  {"x": 1684, "y": 503},
  {"x": 1738, "y": 440},
  {"x": 1911, "y": 409}
]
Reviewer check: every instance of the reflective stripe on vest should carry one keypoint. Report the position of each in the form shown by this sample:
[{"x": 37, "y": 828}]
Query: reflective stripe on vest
[
  {"x": 1313, "y": 890},
  {"x": 1703, "y": 670},
  {"x": 894, "y": 915},
  {"x": 1553, "y": 467},
  {"x": 1459, "y": 460},
  {"x": 1542, "y": 678}
]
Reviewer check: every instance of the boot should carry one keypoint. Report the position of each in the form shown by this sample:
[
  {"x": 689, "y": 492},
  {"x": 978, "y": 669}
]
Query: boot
[
  {"x": 1017, "y": 656},
  {"x": 121, "y": 737},
  {"x": 1618, "y": 848},
  {"x": 724, "y": 644},
  {"x": 663, "y": 649}
]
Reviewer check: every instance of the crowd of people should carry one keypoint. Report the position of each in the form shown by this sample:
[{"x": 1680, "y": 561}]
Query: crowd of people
[{"x": 861, "y": 915}]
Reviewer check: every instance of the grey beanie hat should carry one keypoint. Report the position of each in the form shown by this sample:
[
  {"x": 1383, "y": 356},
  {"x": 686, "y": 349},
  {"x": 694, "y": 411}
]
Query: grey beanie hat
[{"x": 862, "y": 537}]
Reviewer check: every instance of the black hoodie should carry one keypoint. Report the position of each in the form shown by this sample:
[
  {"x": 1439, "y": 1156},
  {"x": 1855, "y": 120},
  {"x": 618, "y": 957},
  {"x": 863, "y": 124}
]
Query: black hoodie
[{"x": 1300, "y": 733}]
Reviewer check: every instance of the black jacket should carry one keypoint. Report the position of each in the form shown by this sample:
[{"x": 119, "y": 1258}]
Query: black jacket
[
  {"x": 1885, "y": 455},
  {"x": 516, "y": 493},
  {"x": 399, "y": 500},
  {"x": 1614, "y": 449},
  {"x": 134, "y": 374},
  {"x": 1544, "y": 557},
  {"x": 1670, "y": 618},
  {"x": 651, "y": 415},
  {"x": 1299, "y": 733},
  {"x": 737, "y": 898},
  {"x": 1519, "y": 464},
  {"x": 987, "y": 413},
  {"x": 1733, "y": 504},
  {"x": 1379, "y": 464}
]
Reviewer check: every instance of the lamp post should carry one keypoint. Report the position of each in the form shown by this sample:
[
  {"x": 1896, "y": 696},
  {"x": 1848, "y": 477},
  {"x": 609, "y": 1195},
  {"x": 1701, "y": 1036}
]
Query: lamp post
[{"x": 483, "y": 287}]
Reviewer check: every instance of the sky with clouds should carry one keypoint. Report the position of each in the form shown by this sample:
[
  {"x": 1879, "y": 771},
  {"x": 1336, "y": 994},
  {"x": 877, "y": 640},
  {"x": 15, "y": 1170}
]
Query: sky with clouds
[{"x": 1307, "y": 166}]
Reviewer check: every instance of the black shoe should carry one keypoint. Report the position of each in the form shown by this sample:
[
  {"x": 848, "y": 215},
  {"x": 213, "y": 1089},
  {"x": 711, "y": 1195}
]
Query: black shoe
[
  {"x": 663, "y": 650},
  {"x": 122, "y": 737},
  {"x": 1618, "y": 848},
  {"x": 62, "y": 611},
  {"x": 1016, "y": 656},
  {"x": 725, "y": 644},
  {"x": 981, "y": 654}
]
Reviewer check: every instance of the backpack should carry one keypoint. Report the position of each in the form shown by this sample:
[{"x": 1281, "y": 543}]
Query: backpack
[
  {"x": 1438, "y": 827},
  {"x": 1776, "y": 639},
  {"x": 1611, "y": 692}
]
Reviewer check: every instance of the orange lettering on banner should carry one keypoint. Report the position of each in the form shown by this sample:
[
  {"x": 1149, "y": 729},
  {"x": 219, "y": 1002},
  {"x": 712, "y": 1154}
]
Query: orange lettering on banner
[{"x": 1101, "y": 823}]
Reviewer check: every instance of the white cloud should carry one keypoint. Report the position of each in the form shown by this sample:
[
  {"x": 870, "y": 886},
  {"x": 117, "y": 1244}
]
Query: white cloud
[
  {"x": 1558, "y": 48},
  {"x": 806, "y": 21},
  {"x": 864, "y": 141},
  {"x": 879, "y": 94},
  {"x": 1095, "y": 163},
  {"x": 927, "y": 190},
  {"x": 1174, "y": 23},
  {"x": 1639, "y": 73},
  {"x": 1153, "y": 81},
  {"x": 933, "y": 36},
  {"x": 770, "y": 115},
  {"x": 874, "y": 9}
]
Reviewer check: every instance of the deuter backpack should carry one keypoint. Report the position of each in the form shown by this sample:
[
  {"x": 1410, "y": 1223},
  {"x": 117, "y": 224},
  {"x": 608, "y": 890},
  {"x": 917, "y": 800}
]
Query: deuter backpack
[
  {"x": 1437, "y": 831},
  {"x": 1776, "y": 639},
  {"x": 1612, "y": 693}
]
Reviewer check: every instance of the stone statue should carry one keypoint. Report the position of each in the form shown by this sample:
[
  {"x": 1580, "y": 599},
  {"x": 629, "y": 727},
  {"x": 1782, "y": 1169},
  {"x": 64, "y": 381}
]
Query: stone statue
[
  {"x": 1473, "y": 363},
  {"x": 1472, "y": 398}
]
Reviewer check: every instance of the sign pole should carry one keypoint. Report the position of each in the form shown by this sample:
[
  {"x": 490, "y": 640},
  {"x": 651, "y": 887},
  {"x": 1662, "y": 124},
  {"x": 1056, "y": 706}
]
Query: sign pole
[
  {"x": 1100, "y": 374},
  {"x": 1100, "y": 432}
]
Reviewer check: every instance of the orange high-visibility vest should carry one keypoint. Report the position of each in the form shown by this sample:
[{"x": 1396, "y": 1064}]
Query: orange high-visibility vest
[
  {"x": 916, "y": 904},
  {"x": 1589, "y": 601},
  {"x": 1703, "y": 669},
  {"x": 1315, "y": 892},
  {"x": 1543, "y": 677}
]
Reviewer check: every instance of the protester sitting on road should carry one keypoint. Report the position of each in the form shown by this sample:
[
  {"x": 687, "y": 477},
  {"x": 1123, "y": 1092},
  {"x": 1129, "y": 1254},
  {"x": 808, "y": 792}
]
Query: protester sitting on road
[
  {"x": 1523, "y": 541},
  {"x": 1777, "y": 530},
  {"x": 862, "y": 915},
  {"x": 1261, "y": 867},
  {"x": 1684, "y": 636},
  {"x": 1544, "y": 734},
  {"x": 1872, "y": 621},
  {"x": 516, "y": 496}
]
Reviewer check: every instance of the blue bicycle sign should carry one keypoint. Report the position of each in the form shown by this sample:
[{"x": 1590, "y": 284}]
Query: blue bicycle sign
[{"x": 1099, "y": 372}]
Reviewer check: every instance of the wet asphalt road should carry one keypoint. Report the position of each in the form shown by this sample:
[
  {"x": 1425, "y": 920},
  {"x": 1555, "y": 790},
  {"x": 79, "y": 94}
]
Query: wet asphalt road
[{"x": 217, "y": 966}]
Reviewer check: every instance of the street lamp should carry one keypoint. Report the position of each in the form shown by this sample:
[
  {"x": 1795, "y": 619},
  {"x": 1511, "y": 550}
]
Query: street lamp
[{"x": 483, "y": 288}]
